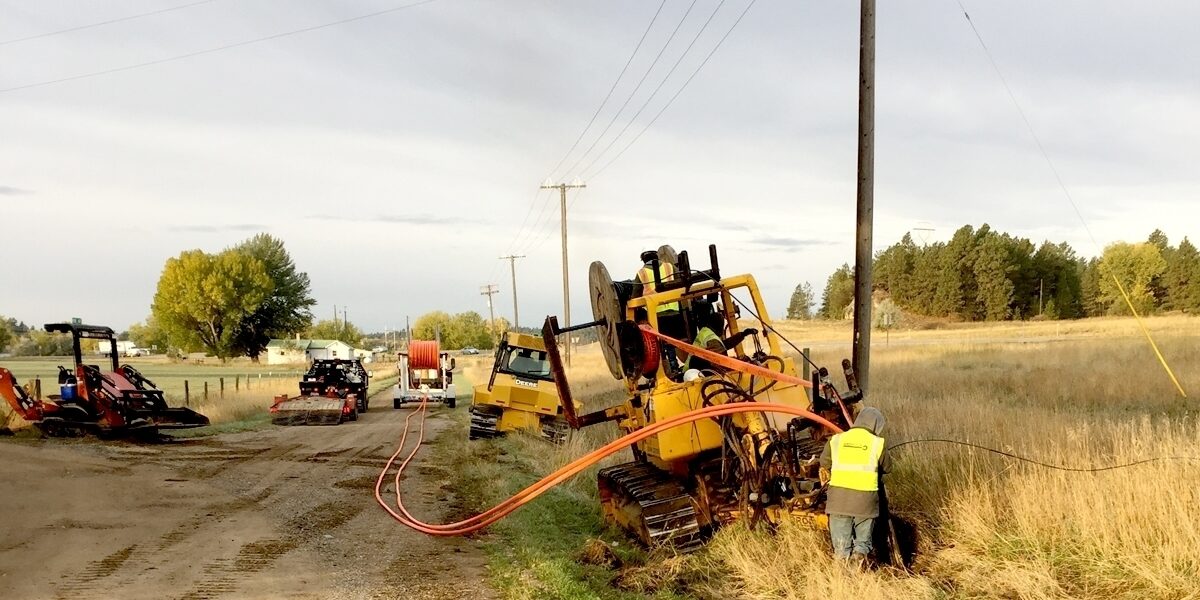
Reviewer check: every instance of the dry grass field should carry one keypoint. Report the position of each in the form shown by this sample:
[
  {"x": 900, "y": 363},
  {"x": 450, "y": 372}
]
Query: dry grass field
[{"x": 1083, "y": 393}]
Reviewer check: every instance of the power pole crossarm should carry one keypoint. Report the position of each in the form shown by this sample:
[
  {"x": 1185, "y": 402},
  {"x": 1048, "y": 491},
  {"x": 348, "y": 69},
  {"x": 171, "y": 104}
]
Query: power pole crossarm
[{"x": 562, "y": 198}]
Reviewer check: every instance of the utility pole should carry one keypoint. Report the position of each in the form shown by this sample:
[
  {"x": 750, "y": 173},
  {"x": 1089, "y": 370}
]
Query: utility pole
[
  {"x": 1041, "y": 288},
  {"x": 562, "y": 202},
  {"x": 863, "y": 254},
  {"x": 512, "y": 264},
  {"x": 489, "y": 290}
]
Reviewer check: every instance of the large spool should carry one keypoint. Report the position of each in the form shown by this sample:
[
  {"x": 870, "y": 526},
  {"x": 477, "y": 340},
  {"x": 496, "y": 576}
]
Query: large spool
[
  {"x": 627, "y": 351},
  {"x": 606, "y": 307},
  {"x": 423, "y": 354}
]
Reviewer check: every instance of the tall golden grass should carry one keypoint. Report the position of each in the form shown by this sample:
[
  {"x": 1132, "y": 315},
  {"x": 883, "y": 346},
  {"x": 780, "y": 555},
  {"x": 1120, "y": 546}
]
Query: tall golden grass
[{"x": 1085, "y": 393}]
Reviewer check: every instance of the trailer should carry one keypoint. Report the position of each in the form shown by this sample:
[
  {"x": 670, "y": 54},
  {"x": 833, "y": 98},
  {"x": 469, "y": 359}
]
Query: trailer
[{"x": 426, "y": 374}]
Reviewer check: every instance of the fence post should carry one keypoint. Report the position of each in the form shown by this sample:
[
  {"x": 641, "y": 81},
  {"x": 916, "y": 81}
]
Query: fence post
[
  {"x": 222, "y": 384},
  {"x": 187, "y": 394},
  {"x": 807, "y": 371},
  {"x": 206, "y": 389},
  {"x": 237, "y": 383},
  {"x": 37, "y": 388}
]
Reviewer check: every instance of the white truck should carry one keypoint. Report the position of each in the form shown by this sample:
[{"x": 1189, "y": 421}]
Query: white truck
[{"x": 426, "y": 373}]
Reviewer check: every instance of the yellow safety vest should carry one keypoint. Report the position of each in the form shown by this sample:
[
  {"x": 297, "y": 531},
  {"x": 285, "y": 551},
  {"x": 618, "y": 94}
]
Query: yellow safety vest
[
  {"x": 703, "y": 337},
  {"x": 646, "y": 278},
  {"x": 856, "y": 455}
]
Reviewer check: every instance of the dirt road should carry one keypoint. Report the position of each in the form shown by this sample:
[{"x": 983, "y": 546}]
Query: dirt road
[{"x": 284, "y": 512}]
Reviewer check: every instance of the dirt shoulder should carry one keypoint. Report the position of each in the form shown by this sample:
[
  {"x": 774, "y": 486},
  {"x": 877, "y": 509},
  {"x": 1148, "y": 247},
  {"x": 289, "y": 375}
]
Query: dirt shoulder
[{"x": 282, "y": 512}]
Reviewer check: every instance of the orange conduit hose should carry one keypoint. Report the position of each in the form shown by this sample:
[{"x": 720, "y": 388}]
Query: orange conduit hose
[
  {"x": 526, "y": 495},
  {"x": 726, "y": 361},
  {"x": 422, "y": 355}
]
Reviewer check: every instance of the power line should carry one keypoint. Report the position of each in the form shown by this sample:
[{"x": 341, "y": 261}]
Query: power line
[
  {"x": 649, "y": 69},
  {"x": 543, "y": 213},
  {"x": 679, "y": 91},
  {"x": 610, "y": 89},
  {"x": 216, "y": 48},
  {"x": 1067, "y": 193},
  {"x": 657, "y": 89},
  {"x": 521, "y": 229},
  {"x": 108, "y": 22}
]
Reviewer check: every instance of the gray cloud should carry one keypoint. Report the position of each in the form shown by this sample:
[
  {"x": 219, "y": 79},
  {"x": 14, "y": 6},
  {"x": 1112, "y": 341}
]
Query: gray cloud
[
  {"x": 6, "y": 190},
  {"x": 217, "y": 228}
]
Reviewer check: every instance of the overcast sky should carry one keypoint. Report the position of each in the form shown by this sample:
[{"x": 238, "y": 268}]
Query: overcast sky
[{"x": 399, "y": 156}]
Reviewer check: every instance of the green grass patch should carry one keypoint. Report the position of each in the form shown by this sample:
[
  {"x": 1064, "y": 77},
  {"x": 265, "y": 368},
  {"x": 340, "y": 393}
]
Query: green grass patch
[{"x": 534, "y": 553}]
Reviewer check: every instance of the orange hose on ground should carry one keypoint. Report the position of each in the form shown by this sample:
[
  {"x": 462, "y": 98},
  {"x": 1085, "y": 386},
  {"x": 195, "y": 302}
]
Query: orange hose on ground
[
  {"x": 423, "y": 354},
  {"x": 526, "y": 495},
  {"x": 490, "y": 516}
]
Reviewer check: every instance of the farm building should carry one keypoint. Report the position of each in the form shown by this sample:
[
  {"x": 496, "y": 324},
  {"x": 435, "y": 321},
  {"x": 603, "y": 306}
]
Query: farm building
[{"x": 287, "y": 351}]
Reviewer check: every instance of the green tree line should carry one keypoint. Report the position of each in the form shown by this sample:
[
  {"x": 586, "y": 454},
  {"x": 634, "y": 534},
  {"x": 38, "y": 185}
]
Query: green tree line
[{"x": 984, "y": 275}]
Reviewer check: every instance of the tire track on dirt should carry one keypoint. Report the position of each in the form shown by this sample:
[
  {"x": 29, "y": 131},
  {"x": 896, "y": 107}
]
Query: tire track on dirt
[
  {"x": 253, "y": 557},
  {"x": 84, "y": 584}
]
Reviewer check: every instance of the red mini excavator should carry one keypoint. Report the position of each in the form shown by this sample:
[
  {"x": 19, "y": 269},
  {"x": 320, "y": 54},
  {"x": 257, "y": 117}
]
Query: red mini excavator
[{"x": 119, "y": 401}]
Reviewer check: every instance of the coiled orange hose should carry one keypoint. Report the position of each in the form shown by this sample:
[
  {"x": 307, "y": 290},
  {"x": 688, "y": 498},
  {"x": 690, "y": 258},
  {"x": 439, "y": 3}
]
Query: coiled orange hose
[{"x": 422, "y": 354}]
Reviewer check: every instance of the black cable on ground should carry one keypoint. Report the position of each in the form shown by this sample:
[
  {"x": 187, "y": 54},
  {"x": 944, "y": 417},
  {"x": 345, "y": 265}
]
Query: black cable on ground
[{"x": 1042, "y": 464}]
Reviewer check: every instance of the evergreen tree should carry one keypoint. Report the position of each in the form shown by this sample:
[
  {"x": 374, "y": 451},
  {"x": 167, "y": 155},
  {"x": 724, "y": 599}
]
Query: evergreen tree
[
  {"x": 1182, "y": 278},
  {"x": 994, "y": 289},
  {"x": 839, "y": 293},
  {"x": 801, "y": 303},
  {"x": 1158, "y": 288}
]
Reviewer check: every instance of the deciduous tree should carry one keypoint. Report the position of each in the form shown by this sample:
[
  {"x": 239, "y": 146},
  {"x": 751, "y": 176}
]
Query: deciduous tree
[
  {"x": 1135, "y": 266},
  {"x": 287, "y": 309},
  {"x": 202, "y": 298}
]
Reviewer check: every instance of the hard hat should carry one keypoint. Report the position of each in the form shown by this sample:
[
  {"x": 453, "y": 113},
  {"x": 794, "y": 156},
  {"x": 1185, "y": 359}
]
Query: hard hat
[
  {"x": 691, "y": 375},
  {"x": 649, "y": 255}
]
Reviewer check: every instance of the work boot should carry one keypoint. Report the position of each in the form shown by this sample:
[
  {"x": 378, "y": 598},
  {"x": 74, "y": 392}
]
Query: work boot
[{"x": 858, "y": 561}]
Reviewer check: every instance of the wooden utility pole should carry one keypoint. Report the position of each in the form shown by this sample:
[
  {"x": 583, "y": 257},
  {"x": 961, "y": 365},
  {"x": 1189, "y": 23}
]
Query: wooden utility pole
[
  {"x": 562, "y": 201},
  {"x": 512, "y": 264},
  {"x": 864, "y": 253},
  {"x": 490, "y": 290}
]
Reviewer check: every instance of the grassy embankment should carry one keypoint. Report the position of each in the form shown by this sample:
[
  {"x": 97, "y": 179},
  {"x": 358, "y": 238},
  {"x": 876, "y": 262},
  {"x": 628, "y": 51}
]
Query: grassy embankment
[
  {"x": 249, "y": 388},
  {"x": 1080, "y": 393}
]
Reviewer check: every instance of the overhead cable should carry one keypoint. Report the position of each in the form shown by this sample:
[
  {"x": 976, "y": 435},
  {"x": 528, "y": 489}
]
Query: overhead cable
[{"x": 216, "y": 48}]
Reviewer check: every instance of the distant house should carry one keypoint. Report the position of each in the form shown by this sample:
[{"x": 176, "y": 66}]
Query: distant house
[{"x": 288, "y": 351}]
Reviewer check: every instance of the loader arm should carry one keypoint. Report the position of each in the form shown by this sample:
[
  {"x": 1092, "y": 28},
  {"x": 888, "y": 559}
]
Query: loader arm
[{"x": 550, "y": 331}]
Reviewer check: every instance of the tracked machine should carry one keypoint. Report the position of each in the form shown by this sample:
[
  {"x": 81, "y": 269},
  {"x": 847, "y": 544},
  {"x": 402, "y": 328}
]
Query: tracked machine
[
  {"x": 688, "y": 480},
  {"x": 119, "y": 401},
  {"x": 519, "y": 394},
  {"x": 332, "y": 391},
  {"x": 426, "y": 373}
]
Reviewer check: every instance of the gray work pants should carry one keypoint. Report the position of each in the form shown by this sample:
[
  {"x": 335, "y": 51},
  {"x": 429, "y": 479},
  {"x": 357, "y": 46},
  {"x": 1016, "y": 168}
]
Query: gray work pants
[{"x": 850, "y": 535}]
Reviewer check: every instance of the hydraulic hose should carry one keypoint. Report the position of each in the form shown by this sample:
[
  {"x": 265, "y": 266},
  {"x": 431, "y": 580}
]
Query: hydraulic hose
[{"x": 526, "y": 495}]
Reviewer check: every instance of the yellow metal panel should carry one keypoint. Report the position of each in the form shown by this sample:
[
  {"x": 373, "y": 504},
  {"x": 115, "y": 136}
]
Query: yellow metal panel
[
  {"x": 686, "y": 440},
  {"x": 512, "y": 420}
]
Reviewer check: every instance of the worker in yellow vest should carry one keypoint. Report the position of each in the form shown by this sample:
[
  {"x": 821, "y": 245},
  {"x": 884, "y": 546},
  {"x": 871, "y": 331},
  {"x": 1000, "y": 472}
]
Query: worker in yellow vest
[
  {"x": 855, "y": 461},
  {"x": 645, "y": 279},
  {"x": 708, "y": 336}
]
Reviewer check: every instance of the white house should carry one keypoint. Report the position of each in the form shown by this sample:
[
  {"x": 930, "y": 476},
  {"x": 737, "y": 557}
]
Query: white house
[{"x": 290, "y": 351}]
